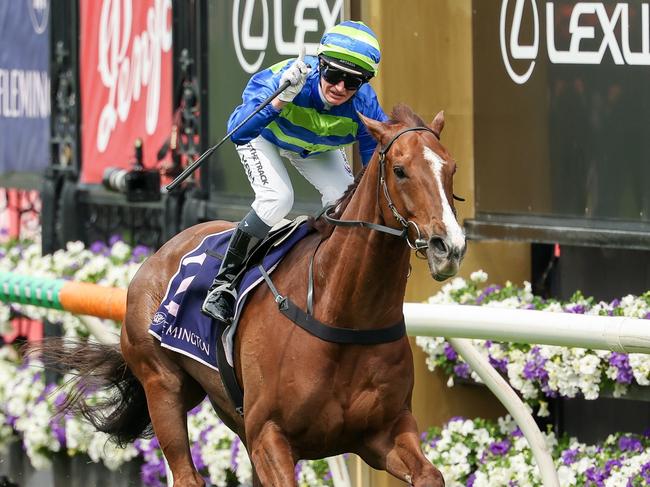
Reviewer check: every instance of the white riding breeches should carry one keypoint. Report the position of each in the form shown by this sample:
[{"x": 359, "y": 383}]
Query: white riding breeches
[{"x": 329, "y": 172}]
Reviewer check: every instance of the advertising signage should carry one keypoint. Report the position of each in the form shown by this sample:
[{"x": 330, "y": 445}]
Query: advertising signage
[
  {"x": 24, "y": 86},
  {"x": 126, "y": 82},
  {"x": 561, "y": 110}
]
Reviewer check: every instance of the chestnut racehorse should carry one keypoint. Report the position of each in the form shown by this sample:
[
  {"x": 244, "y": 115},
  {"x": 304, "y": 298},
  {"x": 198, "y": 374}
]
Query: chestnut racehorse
[{"x": 304, "y": 397}]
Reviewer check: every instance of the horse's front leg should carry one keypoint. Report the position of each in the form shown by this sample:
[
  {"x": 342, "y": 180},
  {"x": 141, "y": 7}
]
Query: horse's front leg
[
  {"x": 272, "y": 457},
  {"x": 402, "y": 454}
]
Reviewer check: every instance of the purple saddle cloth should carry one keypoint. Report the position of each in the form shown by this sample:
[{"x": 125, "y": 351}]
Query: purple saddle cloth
[{"x": 179, "y": 323}]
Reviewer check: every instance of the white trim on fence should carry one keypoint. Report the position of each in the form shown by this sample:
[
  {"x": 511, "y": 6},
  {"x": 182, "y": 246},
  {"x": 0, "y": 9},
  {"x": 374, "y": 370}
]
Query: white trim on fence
[{"x": 616, "y": 333}]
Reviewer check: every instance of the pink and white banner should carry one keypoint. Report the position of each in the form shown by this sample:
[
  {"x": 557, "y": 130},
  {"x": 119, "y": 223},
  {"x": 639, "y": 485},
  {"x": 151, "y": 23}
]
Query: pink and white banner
[{"x": 126, "y": 81}]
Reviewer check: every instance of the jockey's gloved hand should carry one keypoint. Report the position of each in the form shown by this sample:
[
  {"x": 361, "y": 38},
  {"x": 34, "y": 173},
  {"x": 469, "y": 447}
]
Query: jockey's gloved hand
[{"x": 296, "y": 74}]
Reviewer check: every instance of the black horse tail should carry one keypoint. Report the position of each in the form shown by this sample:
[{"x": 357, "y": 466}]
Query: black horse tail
[{"x": 122, "y": 411}]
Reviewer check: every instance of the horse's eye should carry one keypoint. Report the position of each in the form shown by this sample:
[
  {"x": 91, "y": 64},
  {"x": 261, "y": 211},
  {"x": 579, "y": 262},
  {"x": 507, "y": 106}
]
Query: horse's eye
[{"x": 399, "y": 172}]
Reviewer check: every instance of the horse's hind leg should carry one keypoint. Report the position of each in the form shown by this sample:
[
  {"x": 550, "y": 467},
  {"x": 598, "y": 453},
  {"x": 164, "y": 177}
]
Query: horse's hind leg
[
  {"x": 170, "y": 396},
  {"x": 272, "y": 458},
  {"x": 171, "y": 393}
]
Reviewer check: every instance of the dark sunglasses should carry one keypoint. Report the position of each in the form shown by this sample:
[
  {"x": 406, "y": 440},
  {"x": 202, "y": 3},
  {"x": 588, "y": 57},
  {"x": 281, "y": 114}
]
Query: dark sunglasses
[{"x": 335, "y": 76}]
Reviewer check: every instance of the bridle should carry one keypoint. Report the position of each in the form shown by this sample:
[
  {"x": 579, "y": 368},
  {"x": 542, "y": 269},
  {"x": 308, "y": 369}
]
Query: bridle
[
  {"x": 418, "y": 244},
  {"x": 342, "y": 335}
]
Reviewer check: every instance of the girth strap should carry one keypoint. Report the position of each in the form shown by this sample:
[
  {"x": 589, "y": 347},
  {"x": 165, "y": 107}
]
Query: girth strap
[
  {"x": 227, "y": 373},
  {"x": 344, "y": 336}
]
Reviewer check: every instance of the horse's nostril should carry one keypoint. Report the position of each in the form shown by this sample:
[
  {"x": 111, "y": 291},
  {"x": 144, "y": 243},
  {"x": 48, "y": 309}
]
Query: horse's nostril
[{"x": 439, "y": 245}]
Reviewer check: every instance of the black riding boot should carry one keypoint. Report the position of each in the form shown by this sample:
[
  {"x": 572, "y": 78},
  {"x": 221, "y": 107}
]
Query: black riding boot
[{"x": 222, "y": 295}]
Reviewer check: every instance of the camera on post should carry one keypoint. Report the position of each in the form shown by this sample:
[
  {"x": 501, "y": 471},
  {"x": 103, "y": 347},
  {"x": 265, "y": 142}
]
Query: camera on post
[{"x": 137, "y": 183}]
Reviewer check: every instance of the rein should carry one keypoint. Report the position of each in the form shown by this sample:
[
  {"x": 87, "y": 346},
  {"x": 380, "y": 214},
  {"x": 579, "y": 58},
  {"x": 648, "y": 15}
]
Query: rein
[
  {"x": 350, "y": 336},
  {"x": 419, "y": 244}
]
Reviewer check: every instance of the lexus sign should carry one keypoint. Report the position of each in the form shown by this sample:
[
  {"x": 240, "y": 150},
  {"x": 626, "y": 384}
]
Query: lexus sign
[{"x": 588, "y": 22}]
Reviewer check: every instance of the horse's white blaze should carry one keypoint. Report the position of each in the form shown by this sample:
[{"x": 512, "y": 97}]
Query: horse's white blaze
[{"x": 455, "y": 234}]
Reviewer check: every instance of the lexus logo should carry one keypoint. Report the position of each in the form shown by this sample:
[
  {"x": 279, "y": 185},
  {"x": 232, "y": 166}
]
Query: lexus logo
[
  {"x": 614, "y": 28},
  {"x": 309, "y": 16},
  {"x": 518, "y": 51}
]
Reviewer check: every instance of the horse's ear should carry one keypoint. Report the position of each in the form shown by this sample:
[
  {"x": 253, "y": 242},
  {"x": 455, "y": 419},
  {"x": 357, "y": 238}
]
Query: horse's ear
[
  {"x": 438, "y": 123},
  {"x": 375, "y": 127}
]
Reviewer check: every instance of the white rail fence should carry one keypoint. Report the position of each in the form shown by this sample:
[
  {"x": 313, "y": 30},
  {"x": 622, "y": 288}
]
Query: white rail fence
[{"x": 459, "y": 324}]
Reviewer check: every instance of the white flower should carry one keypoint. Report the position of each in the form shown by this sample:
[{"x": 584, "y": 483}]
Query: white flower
[
  {"x": 120, "y": 250},
  {"x": 478, "y": 277},
  {"x": 566, "y": 475},
  {"x": 543, "y": 411},
  {"x": 640, "y": 363},
  {"x": 511, "y": 302}
]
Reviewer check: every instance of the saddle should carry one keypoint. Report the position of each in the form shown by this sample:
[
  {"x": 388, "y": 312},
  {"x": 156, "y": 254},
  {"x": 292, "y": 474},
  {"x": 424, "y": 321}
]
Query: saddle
[{"x": 179, "y": 324}]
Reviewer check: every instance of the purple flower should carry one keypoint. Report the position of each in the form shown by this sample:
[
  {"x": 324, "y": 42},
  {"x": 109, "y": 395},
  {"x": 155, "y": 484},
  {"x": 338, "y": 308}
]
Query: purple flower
[
  {"x": 569, "y": 456},
  {"x": 204, "y": 434},
  {"x": 500, "y": 364},
  {"x": 575, "y": 308},
  {"x": 450, "y": 353},
  {"x": 628, "y": 443},
  {"x": 534, "y": 368},
  {"x": 99, "y": 247},
  {"x": 153, "y": 473},
  {"x": 610, "y": 464},
  {"x": 500, "y": 447},
  {"x": 595, "y": 476},
  {"x": 486, "y": 292},
  {"x": 140, "y": 252},
  {"x": 462, "y": 370},
  {"x": 60, "y": 399},
  {"x": 154, "y": 443},
  {"x": 197, "y": 457},
  {"x": 470, "y": 480},
  {"x": 114, "y": 239},
  {"x": 645, "y": 472},
  {"x": 234, "y": 451},
  {"x": 297, "y": 470},
  {"x": 624, "y": 374},
  {"x": 58, "y": 430},
  {"x": 517, "y": 433},
  {"x": 46, "y": 392},
  {"x": 647, "y": 316}
]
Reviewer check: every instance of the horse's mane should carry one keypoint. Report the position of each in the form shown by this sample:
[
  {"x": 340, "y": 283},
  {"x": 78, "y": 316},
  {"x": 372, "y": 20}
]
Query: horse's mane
[{"x": 401, "y": 114}]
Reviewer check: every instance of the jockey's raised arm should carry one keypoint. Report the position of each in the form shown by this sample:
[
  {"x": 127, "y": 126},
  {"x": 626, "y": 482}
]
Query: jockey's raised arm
[{"x": 308, "y": 125}]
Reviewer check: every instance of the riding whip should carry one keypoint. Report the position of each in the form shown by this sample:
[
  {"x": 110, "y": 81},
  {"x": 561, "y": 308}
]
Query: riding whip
[{"x": 195, "y": 165}]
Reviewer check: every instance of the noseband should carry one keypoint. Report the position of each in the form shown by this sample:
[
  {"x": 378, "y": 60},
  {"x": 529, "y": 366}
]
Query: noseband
[{"x": 419, "y": 244}]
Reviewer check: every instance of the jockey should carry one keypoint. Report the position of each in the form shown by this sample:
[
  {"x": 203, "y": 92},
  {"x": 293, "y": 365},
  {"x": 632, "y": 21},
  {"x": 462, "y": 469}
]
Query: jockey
[{"x": 308, "y": 124}]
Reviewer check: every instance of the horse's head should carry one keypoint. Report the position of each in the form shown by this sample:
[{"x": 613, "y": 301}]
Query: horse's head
[{"x": 418, "y": 173}]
